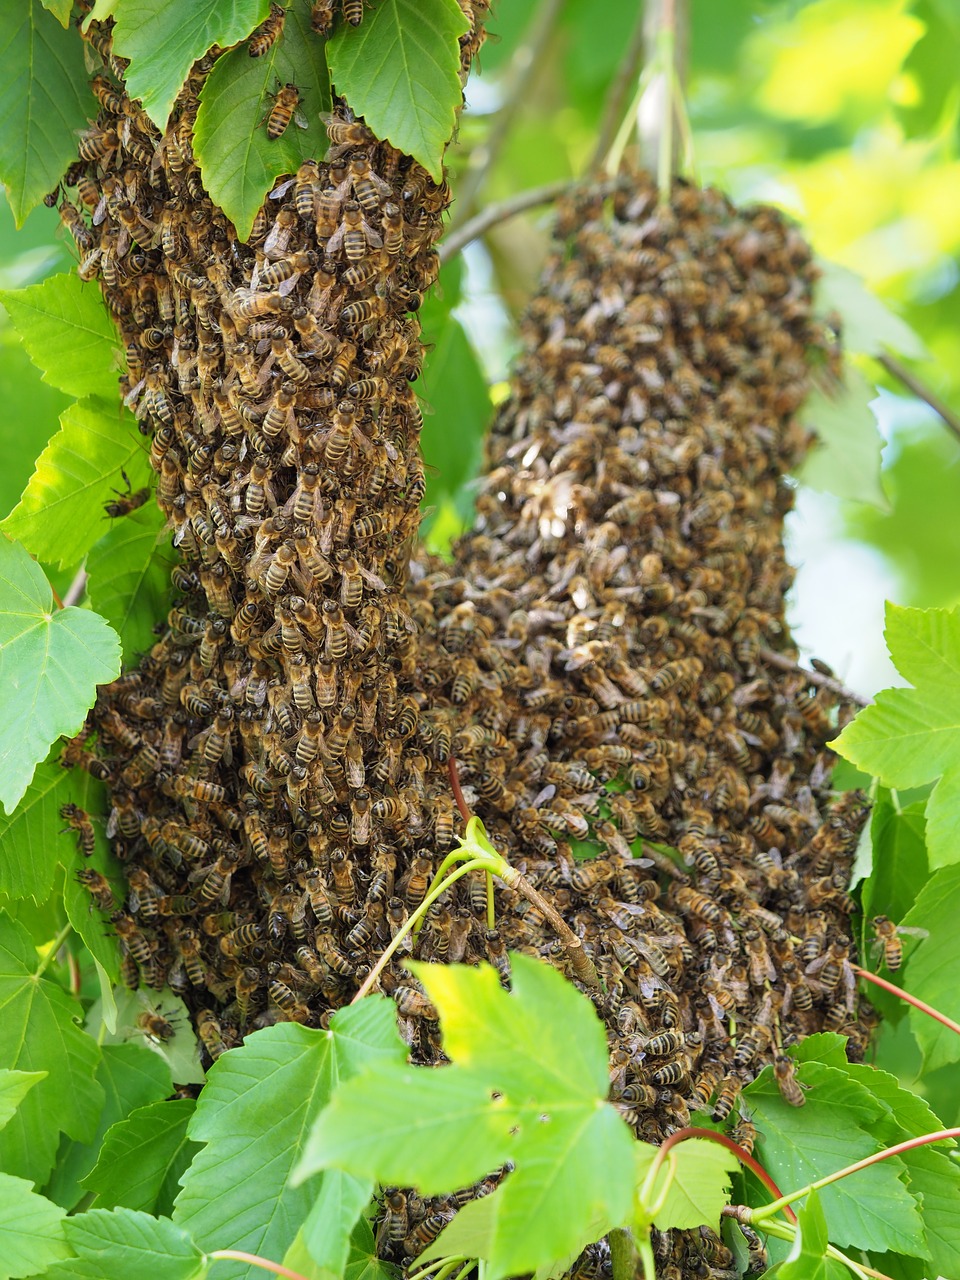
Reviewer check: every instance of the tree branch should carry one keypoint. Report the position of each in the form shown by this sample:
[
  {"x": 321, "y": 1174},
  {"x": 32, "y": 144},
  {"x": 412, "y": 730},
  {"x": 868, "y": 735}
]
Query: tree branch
[
  {"x": 920, "y": 390},
  {"x": 617, "y": 93},
  {"x": 523, "y": 67},
  {"x": 76, "y": 589},
  {"x": 783, "y": 663}
]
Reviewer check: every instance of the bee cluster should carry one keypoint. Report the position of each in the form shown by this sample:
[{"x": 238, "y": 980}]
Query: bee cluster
[
  {"x": 593, "y": 659},
  {"x": 603, "y": 632}
]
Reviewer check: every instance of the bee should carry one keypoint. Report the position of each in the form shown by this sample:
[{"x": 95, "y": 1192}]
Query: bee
[
  {"x": 332, "y": 956},
  {"x": 79, "y": 821},
  {"x": 237, "y": 940},
  {"x": 99, "y": 889},
  {"x": 155, "y": 1026},
  {"x": 321, "y": 21},
  {"x": 126, "y": 502},
  {"x": 427, "y": 1230},
  {"x": 286, "y": 103},
  {"x": 266, "y": 35},
  {"x": 352, "y": 11},
  {"x": 216, "y": 879},
  {"x": 144, "y": 894},
  {"x": 727, "y": 1096},
  {"x": 211, "y": 1033},
  {"x": 888, "y": 941},
  {"x": 784, "y": 1071},
  {"x": 760, "y": 966}
]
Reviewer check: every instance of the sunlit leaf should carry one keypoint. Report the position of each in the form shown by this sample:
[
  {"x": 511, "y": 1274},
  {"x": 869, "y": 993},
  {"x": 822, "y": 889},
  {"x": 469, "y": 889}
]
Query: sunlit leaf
[
  {"x": 143, "y": 1158},
  {"x": 179, "y": 1053},
  {"x": 31, "y": 1230},
  {"x": 400, "y": 70},
  {"x": 123, "y": 1243},
  {"x": 700, "y": 1186},
  {"x": 128, "y": 577},
  {"x": 808, "y": 1260},
  {"x": 528, "y": 1083},
  {"x": 14, "y": 1087},
  {"x": 44, "y": 100},
  {"x": 31, "y": 412},
  {"x": 869, "y": 325},
  {"x": 238, "y": 161},
  {"x": 835, "y": 1128},
  {"x": 39, "y": 1032},
  {"x": 236, "y": 1193},
  {"x": 912, "y": 736},
  {"x": 130, "y": 1076},
  {"x": 845, "y": 460},
  {"x": 67, "y": 333},
  {"x": 932, "y": 970},
  {"x": 163, "y": 42},
  {"x": 60, "y": 516},
  {"x": 51, "y": 661}
]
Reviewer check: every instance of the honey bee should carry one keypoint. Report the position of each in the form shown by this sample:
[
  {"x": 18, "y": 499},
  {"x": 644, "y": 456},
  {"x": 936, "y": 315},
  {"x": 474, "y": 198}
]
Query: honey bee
[
  {"x": 266, "y": 35},
  {"x": 727, "y": 1097},
  {"x": 79, "y": 821},
  {"x": 887, "y": 940},
  {"x": 352, "y": 11},
  {"x": 321, "y": 20},
  {"x": 784, "y": 1071},
  {"x": 211, "y": 1033},
  {"x": 286, "y": 103},
  {"x": 99, "y": 889},
  {"x": 126, "y": 502},
  {"x": 155, "y": 1025}
]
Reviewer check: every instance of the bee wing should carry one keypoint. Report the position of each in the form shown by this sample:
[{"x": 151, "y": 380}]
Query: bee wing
[
  {"x": 913, "y": 933},
  {"x": 300, "y": 120},
  {"x": 279, "y": 192},
  {"x": 287, "y": 286}
]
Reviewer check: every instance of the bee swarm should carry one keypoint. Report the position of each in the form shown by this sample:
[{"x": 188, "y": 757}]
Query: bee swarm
[{"x": 592, "y": 659}]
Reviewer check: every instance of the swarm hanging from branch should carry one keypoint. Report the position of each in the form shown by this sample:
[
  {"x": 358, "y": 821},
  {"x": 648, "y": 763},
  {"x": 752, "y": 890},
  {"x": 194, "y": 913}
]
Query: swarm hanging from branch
[{"x": 278, "y": 762}]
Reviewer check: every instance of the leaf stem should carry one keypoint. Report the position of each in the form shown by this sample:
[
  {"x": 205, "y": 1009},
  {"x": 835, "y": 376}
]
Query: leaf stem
[
  {"x": 905, "y": 995},
  {"x": 238, "y": 1255},
  {"x": 920, "y": 390},
  {"x": 623, "y": 1253},
  {"x": 645, "y": 1250},
  {"x": 436, "y": 1265},
  {"x": 491, "y": 904},
  {"x": 454, "y": 773},
  {"x": 409, "y": 924},
  {"x": 52, "y": 950},
  {"x": 617, "y": 93},
  {"x": 694, "y": 1131},
  {"x": 74, "y": 593},
  {"x": 758, "y": 1215}
]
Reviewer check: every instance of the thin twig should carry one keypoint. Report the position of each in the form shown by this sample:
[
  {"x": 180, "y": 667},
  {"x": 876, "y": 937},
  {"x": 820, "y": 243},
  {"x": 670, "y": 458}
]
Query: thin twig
[
  {"x": 240, "y": 1255},
  {"x": 524, "y": 65},
  {"x": 905, "y": 995},
  {"x": 494, "y": 214},
  {"x": 785, "y": 663},
  {"x": 580, "y": 962},
  {"x": 626, "y": 74},
  {"x": 666, "y": 23},
  {"x": 920, "y": 390},
  {"x": 74, "y": 593}
]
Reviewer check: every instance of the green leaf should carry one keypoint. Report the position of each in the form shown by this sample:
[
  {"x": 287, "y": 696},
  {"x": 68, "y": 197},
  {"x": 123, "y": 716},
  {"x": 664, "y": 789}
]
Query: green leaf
[
  {"x": 67, "y": 333},
  {"x": 179, "y": 1053},
  {"x": 236, "y": 1191},
  {"x": 163, "y": 41},
  {"x": 869, "y": 325},
  {"x": 143, "y": 1158},
  {"x": 30, "y": 842},
  {"x": 31, "y": 1230},
  {"x": 60, "y": 516},
  {"x": 125, "y": 1243},
  {"x": 911, "y": 736},
  {"x": 51, "y": 662},
  {"x": 455, "y": 388},
  {"x": 335, "y": 1212},
  {"x": 808, "y": 1260},
  {"x": 239, "y": 163},
  {"x": 44, "y": 100},
  {"x": 700, "y": 1187},
  {"x": 39, "y": 1032},
  {"x": 400, "y": 70},
  {"x": 61, "y": 10},
  {"x": 128, "y": 577},
  {"x": 835, "y": 1127},
  {"x": 931, "y": 64},
  {"x": 898, "y": 834},
  {"x": 933, "y": 967},
  {"x": 31, "y": 411},
  {"x": 14, "y": 1087},
  {"x": 528, "y": 1083},
  {"x": 846, "y": 458},
  {"x": 362, "y": 1261},
  {"x": 130, "y": 1076}
]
